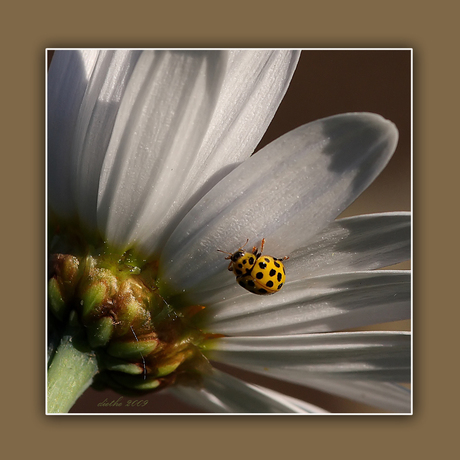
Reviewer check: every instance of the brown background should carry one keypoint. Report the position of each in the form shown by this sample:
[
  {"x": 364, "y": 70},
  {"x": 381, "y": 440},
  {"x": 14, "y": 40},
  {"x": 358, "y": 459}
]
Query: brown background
[{"x": 430, "y": 30}]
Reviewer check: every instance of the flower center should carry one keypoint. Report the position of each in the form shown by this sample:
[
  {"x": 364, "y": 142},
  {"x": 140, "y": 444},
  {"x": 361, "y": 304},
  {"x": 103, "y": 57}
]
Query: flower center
[{"x": 141, "y": 342}]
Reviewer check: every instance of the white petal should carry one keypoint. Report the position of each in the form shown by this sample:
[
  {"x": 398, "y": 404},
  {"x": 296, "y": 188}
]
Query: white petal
[
  {"x": 163, "y": 117},
  {"x": 366, "y": 242},
  {"x": 255, "y": 82},
  {"x": 184, "y": 113},
  {"x": 323, "y": 304},
  {"x": 253, "y": 86},
  {"x": 297, "y": 403},
  {"x": 85, "y": 90},
  {"x": 226, "y": 394},
  {"x": 286, "y": 193},
  {"x": 379, "y": 356},
  {"x": 68, "y": 78},
  {"x": 95, "y": 124},
  {"x": 385, "y": 395}
]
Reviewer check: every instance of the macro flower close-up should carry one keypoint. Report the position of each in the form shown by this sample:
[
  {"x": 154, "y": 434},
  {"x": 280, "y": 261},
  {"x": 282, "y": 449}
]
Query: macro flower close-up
[{"x": 181, "y": 255}]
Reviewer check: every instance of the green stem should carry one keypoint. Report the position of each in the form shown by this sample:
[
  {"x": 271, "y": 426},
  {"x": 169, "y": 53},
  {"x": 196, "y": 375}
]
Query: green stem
[{"x": 71, "y": 372}]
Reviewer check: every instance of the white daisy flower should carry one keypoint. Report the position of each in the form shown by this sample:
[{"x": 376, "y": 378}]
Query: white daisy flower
[{"x": 150, "y": 174}]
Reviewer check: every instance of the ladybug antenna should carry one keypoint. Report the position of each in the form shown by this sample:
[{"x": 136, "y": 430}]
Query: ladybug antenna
[{"x": 225, "y": 252}]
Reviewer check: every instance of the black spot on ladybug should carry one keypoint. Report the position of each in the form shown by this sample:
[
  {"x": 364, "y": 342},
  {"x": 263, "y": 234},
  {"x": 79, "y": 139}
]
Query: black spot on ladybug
[
  {"x": 269, "y": 283},
  {"x": 262, "y": 265},
  {"x": 272, "y": 272},
  {"x": 266, "y": 259},
  {"x": 251, "y": 260},
  {"x": 262, "y": 291},
  {"x": 279, "y": 276},
  {"x": 280, "y": 286},
  {"x": 244, "y": 262},
  {"x": 240, "y": 265},
  {"x": 259, "y": 275},
  {"x": 241, "y": 283},
  {"x": 238, "y": 272},
  {"x": 251, "y": 283},
  {"x": 284, "y": 271},
  {"x": 277, "y": 265}
]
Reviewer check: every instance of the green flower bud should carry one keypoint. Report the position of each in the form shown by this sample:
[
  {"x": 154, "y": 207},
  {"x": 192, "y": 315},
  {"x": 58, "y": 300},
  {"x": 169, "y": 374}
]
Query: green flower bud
[
  {"x": 134, "y": 383},
  {"x": 133, "y": 349},
  {"x": 100, "y": 331},
  {"x": 119, "y": 365},
  {"x": 169, "y": 367},
  {"x": 64, "y": 269},
  {"x": 93, "y": 298},
  {"x": 141, "y": 342},
  {"x": 56, "y": 302}
]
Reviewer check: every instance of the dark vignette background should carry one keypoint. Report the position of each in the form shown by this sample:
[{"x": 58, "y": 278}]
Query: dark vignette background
[{"x": 327, "y": 82}]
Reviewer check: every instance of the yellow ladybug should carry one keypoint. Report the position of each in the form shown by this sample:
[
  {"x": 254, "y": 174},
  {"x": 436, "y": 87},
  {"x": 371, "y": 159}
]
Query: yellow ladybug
[{"x": 258, "y": 274}]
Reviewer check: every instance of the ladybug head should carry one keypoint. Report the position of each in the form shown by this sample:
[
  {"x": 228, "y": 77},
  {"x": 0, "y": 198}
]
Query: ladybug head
[{"x": 236, "y": 255}]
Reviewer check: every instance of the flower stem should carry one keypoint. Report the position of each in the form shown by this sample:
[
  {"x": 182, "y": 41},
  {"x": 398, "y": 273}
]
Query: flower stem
[{"x": 71, "y": 372}]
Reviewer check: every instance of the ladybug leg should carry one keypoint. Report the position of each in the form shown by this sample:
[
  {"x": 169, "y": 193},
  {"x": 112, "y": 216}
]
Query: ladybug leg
[
  {"x": 229, "y": 268},
  {"x": 284, "y": 258},
  {"x": 262, "y": 245}
]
